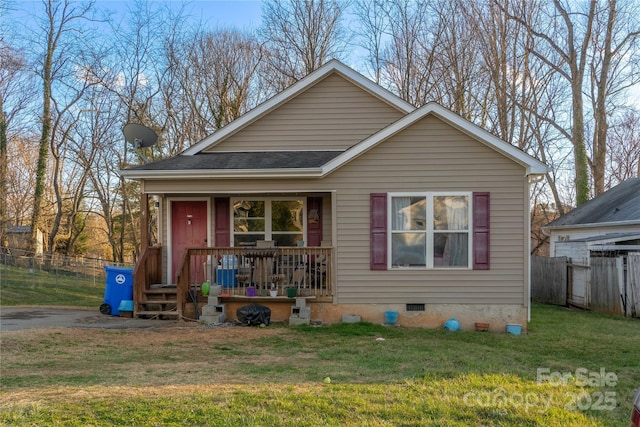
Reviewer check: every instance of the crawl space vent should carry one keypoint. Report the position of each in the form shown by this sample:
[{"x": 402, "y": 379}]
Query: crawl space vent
[{"x": 415, "y": 307}]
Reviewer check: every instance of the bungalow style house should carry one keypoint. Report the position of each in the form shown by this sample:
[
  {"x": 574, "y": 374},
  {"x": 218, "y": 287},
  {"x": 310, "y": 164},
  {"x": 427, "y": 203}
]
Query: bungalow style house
[{"x": 361, "y": 202}]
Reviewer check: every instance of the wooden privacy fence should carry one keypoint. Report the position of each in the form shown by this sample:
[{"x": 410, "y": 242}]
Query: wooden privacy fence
[
  {"x": 633, "y": 281},
  {"x": 609, "y": 284},
  {"x": 549, "y": 280}
]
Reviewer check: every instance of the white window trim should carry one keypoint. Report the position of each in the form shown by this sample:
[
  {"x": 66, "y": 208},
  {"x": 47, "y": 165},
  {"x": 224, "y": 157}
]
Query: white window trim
[
  {"x": 429, "y": 195},
  {"x": 268, "y": 232}
]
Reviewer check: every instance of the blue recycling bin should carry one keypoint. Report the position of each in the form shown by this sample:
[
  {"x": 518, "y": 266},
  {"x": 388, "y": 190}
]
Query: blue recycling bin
[
  {"x": 119, "y": 288},
  {"x": 228, "y": 277}
]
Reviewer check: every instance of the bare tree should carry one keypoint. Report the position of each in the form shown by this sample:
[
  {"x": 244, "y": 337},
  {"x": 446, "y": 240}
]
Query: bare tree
[
  {"x": 624, "y": 149},
  {"x": 566, "y": 40},
  {"x": 68, "y": 178},
  {"x": 16, "y": 92},
  {"x": 20, "y": 179},
  {"x": 213, "y": 78},
  {"x": 503, "y": 47},
  {"x": 300, "y": 36},
  {"x": 60, "y": 21},
  {"x": 374, "y": 26},
  {"x": 457, "y": 53},
  {"x": 615, "y": 36},
  {"x": 4, "y": 58},
  {"x": 136, "y": 70},
  {"x": 93, "y": 143},
  {"x": 520, "y": 91},
  {"x": 3, "y": 174},
  {"x": 409, "y": 66}
]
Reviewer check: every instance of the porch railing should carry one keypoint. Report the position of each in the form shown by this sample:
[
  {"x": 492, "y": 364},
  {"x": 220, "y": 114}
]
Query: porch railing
[
  {"x": 245, "y": 271},
  {"x": 147, "y": 271}
]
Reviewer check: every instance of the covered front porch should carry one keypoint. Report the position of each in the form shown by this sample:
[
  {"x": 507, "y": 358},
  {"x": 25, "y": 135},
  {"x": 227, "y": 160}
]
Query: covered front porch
[
  {"x": 268, "y": 275},
  {"x": 255, "y": 245}
]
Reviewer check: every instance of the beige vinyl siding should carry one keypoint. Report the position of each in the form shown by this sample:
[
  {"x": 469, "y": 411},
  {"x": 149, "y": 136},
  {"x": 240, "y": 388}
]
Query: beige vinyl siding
[
  {"x": 432, "y": 156},
  {"x": 333, "y": 114},
  {"x": 428, "y": 156}
]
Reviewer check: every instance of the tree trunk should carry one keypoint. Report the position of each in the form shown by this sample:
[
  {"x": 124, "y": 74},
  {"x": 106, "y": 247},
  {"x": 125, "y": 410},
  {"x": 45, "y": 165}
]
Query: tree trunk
[
  {"x": 581, "y": 164},
  {"x": 43, "y": 152},
  {"x": 3, "y": 175},
  {"x": 598, "y": 162}
]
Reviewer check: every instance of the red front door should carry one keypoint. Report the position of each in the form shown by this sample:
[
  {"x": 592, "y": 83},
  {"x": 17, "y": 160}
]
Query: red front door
[{"x": 188, "y": 230}]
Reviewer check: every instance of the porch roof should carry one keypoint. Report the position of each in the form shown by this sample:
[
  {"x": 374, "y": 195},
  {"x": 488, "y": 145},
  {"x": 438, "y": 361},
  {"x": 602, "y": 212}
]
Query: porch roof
[{"x": 235, "y": 161}]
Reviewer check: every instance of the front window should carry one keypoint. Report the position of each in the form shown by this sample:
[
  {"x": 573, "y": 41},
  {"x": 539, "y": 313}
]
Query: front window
[
  {"x": 280, "y": 220},
  {"x": 430, "y": 230}
]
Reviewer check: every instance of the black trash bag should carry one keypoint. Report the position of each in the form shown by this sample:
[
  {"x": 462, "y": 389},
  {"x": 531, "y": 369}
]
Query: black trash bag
[{"x": 254, "y": 315}]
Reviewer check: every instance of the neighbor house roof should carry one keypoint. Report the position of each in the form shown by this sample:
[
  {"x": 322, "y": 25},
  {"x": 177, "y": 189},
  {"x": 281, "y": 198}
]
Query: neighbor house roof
[
  {"x": 618, "y": 205},
  {"x": 19, "y": 229},
  {"x": 193, "y": 162}
]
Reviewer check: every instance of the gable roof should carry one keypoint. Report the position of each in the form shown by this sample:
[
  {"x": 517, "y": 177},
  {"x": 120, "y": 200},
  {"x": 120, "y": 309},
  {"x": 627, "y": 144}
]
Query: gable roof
[
  {"x": 333, "y": 66},
  {"x": 618, "y": 205},
  {"x": 532, "y": 165},
  {"x": 194, "y": 163}
]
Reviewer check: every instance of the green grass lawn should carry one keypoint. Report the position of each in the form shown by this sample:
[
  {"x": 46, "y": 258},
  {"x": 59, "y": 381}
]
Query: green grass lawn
[
  {"x": 20, "y": 286},
  {"x": 380, "y": 376}
]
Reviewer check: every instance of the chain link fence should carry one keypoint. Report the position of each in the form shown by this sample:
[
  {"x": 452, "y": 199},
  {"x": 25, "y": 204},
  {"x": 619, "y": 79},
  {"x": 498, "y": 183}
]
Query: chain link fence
[{"x": 54, "y": 266}]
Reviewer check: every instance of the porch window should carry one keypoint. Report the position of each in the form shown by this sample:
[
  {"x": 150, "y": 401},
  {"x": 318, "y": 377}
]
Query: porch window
[
  {"x": 430, "y": 230},
  {"x": 279, "y": 219}
]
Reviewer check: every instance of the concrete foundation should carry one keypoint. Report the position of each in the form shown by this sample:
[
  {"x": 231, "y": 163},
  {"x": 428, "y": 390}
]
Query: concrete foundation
[{"x": 434, "y": 315}]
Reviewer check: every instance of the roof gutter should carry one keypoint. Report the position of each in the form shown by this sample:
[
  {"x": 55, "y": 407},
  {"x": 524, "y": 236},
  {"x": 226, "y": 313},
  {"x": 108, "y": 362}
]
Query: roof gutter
[
  {"x": 221, "y": 174},
  {"x": 590, "y": 225}
]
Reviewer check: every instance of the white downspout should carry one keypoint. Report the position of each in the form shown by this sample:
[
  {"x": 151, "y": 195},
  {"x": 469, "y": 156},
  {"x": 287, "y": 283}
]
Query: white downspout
[{"x": 531, "y": 179}]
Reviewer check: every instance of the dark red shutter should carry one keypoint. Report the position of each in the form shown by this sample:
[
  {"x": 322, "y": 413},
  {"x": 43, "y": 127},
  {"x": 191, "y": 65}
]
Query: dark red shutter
[
  {"x": 222, "y": 222},
  {"x": 378, "y": 231},
  {"x": 314, "y": 221},
  {"x": 481, "y": 231}
]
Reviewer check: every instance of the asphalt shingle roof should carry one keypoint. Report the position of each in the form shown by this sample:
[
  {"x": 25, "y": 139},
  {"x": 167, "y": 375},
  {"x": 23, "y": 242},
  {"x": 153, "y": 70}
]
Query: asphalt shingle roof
[
  {"x": 254, "y": 160},
  {"x": 620, "y": 203}
]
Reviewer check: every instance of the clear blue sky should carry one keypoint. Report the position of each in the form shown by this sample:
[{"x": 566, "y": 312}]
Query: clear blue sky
[
  {"x": 242, "y": 14},
  {"x": 235, "y": 13}
]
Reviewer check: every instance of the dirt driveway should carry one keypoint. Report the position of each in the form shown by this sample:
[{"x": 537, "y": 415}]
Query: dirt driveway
[{"x": 19, "y": 318}]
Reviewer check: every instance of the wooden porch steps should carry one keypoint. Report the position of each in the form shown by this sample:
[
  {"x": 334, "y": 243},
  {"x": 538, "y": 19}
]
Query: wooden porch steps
[
  {"x": 158, "y": 301},
  {"x": 160, "y": 313},
  {"x": 169, "y": 290}
]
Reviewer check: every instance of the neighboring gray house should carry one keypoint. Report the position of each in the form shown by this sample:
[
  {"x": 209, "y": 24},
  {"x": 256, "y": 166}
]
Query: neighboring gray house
[{"x": 607, "y": 224}]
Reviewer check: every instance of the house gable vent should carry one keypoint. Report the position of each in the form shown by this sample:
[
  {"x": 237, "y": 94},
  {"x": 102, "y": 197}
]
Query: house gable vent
[{"x": 415, "y": 307}]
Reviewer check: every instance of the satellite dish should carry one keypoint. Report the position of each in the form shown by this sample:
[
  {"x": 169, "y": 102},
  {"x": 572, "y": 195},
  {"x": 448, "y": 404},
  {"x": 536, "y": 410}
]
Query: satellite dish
[{"x": 139, "y": 136}]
